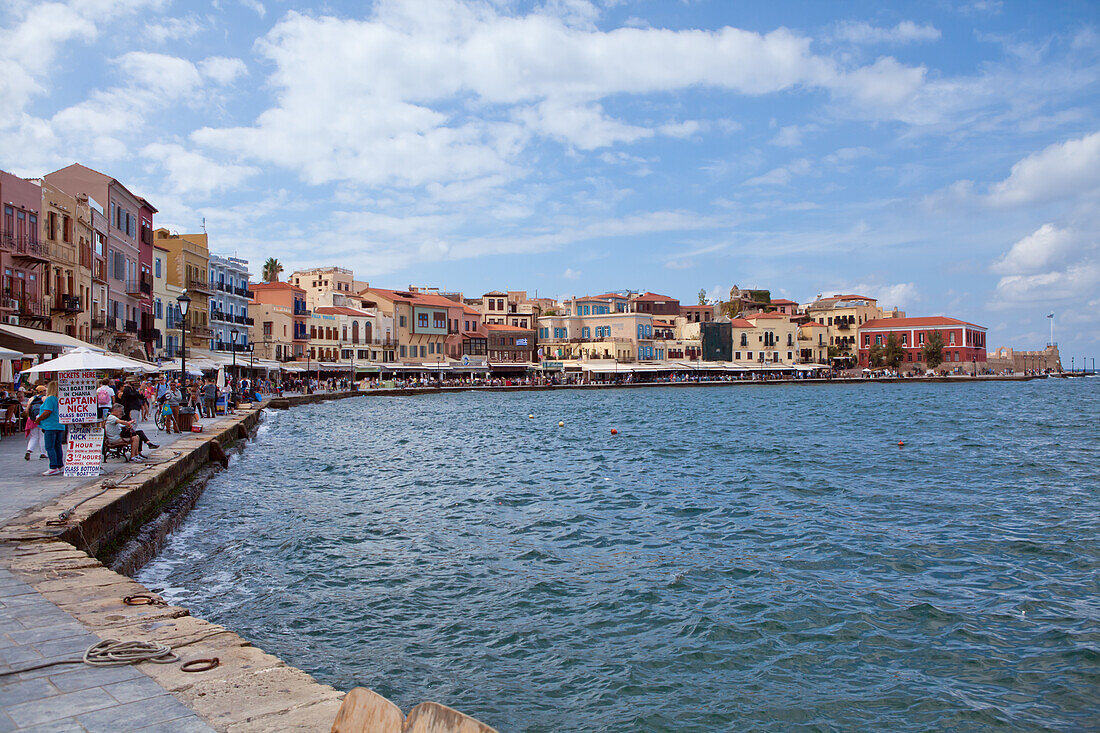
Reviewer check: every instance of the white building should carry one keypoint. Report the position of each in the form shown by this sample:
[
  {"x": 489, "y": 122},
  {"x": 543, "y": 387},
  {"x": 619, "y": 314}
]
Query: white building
[{"x": 229, "y": 302}]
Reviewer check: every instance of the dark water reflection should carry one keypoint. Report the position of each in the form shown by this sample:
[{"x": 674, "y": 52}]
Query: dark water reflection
[{"x": 735, "y": 559}]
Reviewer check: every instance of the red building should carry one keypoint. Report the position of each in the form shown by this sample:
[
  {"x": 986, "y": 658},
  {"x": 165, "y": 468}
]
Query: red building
[
  {"x": 23, "y": 258},
  {"x": 963, "y": 343},
  {"x": 782, "y": 305}
]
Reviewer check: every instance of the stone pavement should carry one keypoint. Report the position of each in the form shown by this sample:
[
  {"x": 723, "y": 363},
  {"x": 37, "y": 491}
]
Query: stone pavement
[
  {"x": 72, "y": 697},
  {"x": 23, "y": 486}
]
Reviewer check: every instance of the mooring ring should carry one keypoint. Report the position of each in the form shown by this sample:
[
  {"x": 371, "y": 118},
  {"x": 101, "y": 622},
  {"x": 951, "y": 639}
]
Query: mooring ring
[
  {"x": 142, "y": 599},
  {"x": 200, "y": 665}
]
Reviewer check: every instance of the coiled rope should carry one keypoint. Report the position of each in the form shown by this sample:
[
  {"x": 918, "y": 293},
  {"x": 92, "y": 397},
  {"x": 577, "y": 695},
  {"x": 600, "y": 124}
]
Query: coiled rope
[{"x": 115, "y": 653}]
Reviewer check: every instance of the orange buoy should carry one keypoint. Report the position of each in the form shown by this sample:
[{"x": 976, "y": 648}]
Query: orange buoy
[
  {"x": 901, "y": 444},
  {"x": 614, "y": 431}
]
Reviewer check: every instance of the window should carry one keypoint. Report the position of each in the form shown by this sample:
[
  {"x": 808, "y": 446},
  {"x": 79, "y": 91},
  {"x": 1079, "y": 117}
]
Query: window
[
  {"x": 749, "y": 355},
  {"x": 790, "y": 341},
  {"x": 952, "y": 339},
  {"x": 423, "y": 352},
  {"x": 403, "y": 352},
  {"x": 744, "y": 339},
  {"x": 156, "y": 266},
  {"x": 439, "y": 320},
  {"x": 401, "y": 321},
  {"x": 422, "y": 320},
  {"x": 267, "y": 328}
]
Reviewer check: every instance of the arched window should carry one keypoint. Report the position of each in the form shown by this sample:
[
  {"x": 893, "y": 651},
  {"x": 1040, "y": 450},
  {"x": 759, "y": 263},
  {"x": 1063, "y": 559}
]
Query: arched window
[
  {"x": 744, "y": 339},
  {"x": 355, "y": 332},
  {"x": 790, "y": 339}
]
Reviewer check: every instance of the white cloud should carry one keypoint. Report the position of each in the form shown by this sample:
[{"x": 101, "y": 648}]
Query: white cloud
[
  {"x": 788, "y": 137},
  {"x": 222, "y": 70},
  {"x": 172, "y": 29},
  {"x": 571, "y": 274},
  {"x": 782, "y": 176},
  {"x": 904, "y": 32},
  {"x": 449, "y": 90},
  {"x": 255, "y": 6},
  {"x": 169, "y": 76},
  {"x": 889, "y": 295},
  {"x": 190, "y": 173},
  {"x": 1062, "y": 170},
  {"x": 1047, "y": 246}
]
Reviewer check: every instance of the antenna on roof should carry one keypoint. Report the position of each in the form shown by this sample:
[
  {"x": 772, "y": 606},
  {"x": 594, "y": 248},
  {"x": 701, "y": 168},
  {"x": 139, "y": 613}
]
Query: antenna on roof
[{"x": 204, "y": 225}]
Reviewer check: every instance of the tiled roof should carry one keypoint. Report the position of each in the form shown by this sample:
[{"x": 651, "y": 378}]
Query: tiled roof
[
  {"x": 340, "y": 310},
  {"x": 503, "y": 327},
  {"x": 783, "y": 301},
  {"x": 279, "y": 285},
  {"x": 653, "y": 296},
  {"x": 742, "y": 323},
  {"x": 754, "y": 316},
  {"x": 918, "y": 322}
]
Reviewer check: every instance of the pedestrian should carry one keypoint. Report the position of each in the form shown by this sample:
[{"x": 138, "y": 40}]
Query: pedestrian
[
  {"x": 35, "y": 439},
  {"x": 53, "y": 431},
  {"x": 209, "y": 398},
  {"x": 130, "y": 399},
  {"x": 104, "y": 397},
  {"x": 117, "y": 430},
  {"x": 172, "y": 399}
]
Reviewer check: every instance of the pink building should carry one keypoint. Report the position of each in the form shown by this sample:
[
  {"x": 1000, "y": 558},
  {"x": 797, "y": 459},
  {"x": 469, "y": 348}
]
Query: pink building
[
  {"x": 126, "y": 294},
  {"x": 23, "y": 258}
]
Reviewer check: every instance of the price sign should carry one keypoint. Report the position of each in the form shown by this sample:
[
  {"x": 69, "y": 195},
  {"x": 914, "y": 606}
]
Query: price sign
[
  {"x": 76, "y": 396},
  {"x": 84, "y": 451}
]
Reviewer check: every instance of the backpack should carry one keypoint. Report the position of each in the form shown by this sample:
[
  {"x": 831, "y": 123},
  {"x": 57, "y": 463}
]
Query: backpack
[{"x": 34, "y": 408}]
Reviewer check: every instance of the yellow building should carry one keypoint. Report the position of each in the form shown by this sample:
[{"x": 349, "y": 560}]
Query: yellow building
[
  {"x": 325, "y": 286},
  {"x": 624, "y": 337},
  {"x": 765, "y": 338},
  {"x": 842, "y": 315},
  {"x": 188, "y": 261},
  {"x": 813, "y": 343}
]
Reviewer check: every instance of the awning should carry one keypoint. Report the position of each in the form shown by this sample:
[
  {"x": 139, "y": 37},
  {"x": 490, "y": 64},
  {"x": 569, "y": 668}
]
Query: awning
[{"x": 37, "y": 341}]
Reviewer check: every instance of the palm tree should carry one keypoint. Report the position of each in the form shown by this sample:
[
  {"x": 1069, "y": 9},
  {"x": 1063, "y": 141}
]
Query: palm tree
[{"x": 272, "y": 268}]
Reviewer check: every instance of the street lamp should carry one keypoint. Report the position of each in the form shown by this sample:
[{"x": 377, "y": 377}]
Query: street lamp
[
  {"x": 233, "y": 346},
  {"x": 184, "y": 301}
]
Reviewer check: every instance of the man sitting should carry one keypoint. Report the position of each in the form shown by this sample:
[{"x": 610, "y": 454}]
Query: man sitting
[{"x": 119, "y": 431}]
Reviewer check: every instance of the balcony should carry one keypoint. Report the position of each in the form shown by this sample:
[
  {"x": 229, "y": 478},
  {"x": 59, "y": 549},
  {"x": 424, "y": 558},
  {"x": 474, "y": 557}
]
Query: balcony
[
  {"x": 24, "y": 249},
  {"x": 148, "y": 334},
  {"x": 198, "y": 283},
  {"x": 302, "y": 312},
  {"x": 216, "y": 315},
  {"x": 201, "y": 331},
  {"x": 133, "y": 286},
  {"x": 130, "y": 327},
  {"x": 67, "y": 303},
  {"x": 242, "y": 292},
  {"x": 111, "y": 323},
  {"x": 99, "y": 323},
  {"x": 147, "y": 284},
  {"x": 28, "y": 307}
]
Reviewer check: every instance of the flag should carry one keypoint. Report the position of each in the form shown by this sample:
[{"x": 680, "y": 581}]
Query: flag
[{"x": 1050, "y": 316}]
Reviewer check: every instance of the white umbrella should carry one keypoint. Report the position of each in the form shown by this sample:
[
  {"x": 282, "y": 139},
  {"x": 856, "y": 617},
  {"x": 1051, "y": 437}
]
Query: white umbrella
[
  {"x": 5, "y": 371},
  {"x": 174, "y": 366},
  {"x": 78, "y": 359}
]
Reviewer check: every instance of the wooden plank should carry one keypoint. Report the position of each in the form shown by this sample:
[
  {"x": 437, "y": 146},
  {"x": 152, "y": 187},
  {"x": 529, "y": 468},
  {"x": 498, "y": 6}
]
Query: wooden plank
[
  {"x": 365, "y": 711},
  {"x": 431, "y": 717}
]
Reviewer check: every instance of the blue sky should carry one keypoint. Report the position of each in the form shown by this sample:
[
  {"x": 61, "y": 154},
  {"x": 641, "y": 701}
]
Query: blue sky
[{"x": 942, "y": 156}]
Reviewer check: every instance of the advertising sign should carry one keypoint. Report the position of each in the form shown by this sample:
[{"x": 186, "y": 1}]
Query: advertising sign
[
  {"x": 76, "y": 398},
  {"x": 84, "y": 451},
  {"x": 521, "y": 342}
]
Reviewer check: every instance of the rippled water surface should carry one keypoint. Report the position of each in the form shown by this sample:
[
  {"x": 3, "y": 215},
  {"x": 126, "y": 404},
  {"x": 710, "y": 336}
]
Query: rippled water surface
[{"x": 736, "y": 558}]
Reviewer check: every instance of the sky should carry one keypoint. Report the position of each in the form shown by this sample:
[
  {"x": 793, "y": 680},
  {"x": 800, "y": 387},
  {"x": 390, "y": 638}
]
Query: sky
[{"x": 942, "y": 156}]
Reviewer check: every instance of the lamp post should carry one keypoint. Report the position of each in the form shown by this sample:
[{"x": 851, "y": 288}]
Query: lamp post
[
  {"x": 184, "y": 301},
  {"x": 233, "y": 346}
]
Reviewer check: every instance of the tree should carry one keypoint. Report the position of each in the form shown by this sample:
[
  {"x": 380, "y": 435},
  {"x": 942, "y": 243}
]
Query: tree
[
  {"x": 272, "y": 268},
  {"x": 874, "y": 355},
  {"x": 702, "y": 296},
  {"x": 893, "y": 354},
  {"x": 933, "y": 350}
]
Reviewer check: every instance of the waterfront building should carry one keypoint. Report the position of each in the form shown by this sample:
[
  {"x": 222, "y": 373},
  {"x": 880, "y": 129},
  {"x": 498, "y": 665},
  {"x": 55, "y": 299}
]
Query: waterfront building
[
  {"x": 717, "y": 339},
  {"x": 813, "y": 343},
  {"x": 325, "y": 286},
  {"x": 512, "y": 308},
  {"x": 963, "y": 343},
  {"x": 776, "y": 338},
  {"x": 188, "y": 261},
  {"x": 23, "y": 256},
  {"x": 1005, "y": 358},
  {"x": 843, "y": 315},
  {"x": 655, "y": 305},
  {"x": 229, "y": 283},
  {"x": 697, "y": 313},
  {"x": 475, "y": 339},
  {"x": 166, "y": 310},
  {"x": 595, "y": 335},
  {"x": 422, "y": 322},
  {"x": 66, "y": 231},
  {"x": 785, "y": 306},
  {"x": 98, "y": 305},
  {"x": 281, "y": 319},
  {"x": 510, "y": 347},
  {"x": 324, "y": 336},
  {"x": 364, "y": 330},
  {"x": 129, "y": 288}
]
